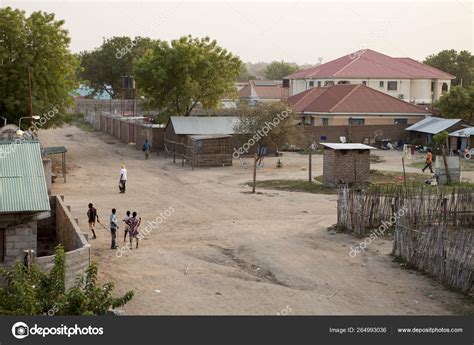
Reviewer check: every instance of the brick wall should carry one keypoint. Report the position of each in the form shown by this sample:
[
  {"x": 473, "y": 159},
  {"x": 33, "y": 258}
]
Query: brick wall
[
  {"x": 18, "y": 238},
  {"x": 346, "y": 165}
]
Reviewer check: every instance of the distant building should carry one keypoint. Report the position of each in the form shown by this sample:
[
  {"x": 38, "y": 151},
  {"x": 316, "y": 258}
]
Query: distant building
[
  {"x": 424, "y": 130},
  {"x": 261, "y": 91},
  {"x": 353, "y": 104},
  {"x": 402, "y": 78}
]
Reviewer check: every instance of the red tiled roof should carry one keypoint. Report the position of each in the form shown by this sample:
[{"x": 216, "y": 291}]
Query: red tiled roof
[
  {"x": 371, "y": 64},
  {"x": 262, "y": 89},
  {"x": 350, "y": 98}
]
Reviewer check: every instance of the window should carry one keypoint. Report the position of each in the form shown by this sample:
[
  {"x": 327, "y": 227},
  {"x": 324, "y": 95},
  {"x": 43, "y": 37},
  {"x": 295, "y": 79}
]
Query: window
[
  {"x": 311, "y": 83},
  {"x": 2, "y": 245},
  {"x": 312, "y": 121},
  {"x": 392, "y": 86},
  {"x": 329, "y": 83},
  {"x": 319, "y": 83},
  {"x": 364, "y": 82},
  {"x": 400, "y": 121},
  {"x": 356, "y": 121},
  {"x": 342, "y": 82},
  {"x": 381, "y": 84},
  {"x": 325, "y": 121}
]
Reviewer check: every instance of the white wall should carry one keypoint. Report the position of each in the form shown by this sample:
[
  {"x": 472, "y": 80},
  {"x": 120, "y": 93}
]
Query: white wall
[{"x": 418, "y": 89}]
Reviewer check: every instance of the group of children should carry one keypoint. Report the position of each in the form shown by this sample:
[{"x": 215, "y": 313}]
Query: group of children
[{"x": 131, "y": 225}]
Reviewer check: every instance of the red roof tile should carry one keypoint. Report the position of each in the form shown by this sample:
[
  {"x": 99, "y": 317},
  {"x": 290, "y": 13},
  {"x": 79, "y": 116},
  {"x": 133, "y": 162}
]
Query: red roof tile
[
  {"x": 371, "y": 64},
  {"x": 350, "y": 98},
  {"x": 262, "y": 89}
]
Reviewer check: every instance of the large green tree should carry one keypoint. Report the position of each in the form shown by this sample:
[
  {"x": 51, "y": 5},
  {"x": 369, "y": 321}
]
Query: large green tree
[
  {"x": 178, "y": 76},
  {"x": 458, "y": 103},
  {"x": 102, "y": 69},
  {"x": 279, "y": 69},
  {"x": 461, "y": 65},
  {"x": 41, "y": 42}
]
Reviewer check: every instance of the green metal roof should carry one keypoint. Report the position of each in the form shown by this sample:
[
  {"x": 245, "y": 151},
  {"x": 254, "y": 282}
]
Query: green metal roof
[{"x": 22, "y": 181}]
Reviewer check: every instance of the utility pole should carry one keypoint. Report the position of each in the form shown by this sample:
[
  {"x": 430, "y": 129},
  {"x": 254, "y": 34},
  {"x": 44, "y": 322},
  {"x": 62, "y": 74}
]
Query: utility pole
[{"x": 30, "y": 100}]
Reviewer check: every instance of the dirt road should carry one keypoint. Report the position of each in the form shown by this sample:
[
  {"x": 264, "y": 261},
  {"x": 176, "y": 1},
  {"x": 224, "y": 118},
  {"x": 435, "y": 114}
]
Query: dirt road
[{"x": 225, "y": 251}]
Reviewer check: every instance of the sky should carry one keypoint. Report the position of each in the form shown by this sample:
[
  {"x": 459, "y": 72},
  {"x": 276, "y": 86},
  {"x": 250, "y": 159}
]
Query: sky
[{"x": 296, "y": 31}]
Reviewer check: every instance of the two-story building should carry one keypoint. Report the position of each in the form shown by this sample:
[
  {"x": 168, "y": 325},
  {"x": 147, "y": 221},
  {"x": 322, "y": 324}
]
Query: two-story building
[{"x": 403, "y": 78}]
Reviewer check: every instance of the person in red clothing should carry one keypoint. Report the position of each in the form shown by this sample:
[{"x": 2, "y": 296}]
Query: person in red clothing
[{"x": 428, "y": 161}]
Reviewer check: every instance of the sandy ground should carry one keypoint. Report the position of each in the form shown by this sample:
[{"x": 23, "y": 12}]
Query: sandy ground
[{"x": 225, "y": 251}]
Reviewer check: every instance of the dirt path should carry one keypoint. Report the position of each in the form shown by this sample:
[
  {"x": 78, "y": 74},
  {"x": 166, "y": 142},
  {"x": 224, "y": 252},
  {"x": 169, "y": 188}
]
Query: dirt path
[{"x": 243, "y": 253}]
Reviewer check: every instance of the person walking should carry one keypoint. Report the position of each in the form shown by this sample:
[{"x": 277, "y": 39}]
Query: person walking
[
  {"x": 92, "y": 217},
  {"x": 113, "y": 228},
  {"x": 127, "y": 227},
  {"x": 146, "y": 148},
  {"x": 134, "y": 223},
  {"x": 428, "y": 161},
  {"x": 123, "y": 179}
]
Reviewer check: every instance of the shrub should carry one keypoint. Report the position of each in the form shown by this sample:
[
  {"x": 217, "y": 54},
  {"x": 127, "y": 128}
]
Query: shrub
[{"x": 29, "y": 291}]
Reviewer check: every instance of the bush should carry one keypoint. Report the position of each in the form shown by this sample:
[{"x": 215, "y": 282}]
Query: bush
[{"x": 29, "y": 291}]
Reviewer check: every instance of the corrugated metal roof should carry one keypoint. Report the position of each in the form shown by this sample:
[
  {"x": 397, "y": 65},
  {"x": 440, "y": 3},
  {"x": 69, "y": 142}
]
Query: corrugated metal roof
[
  {"x": 433, "y": 125},
  {"x": 200, "y": 125},
  {"x": 465, "y": 132},
  {"x": 22, "y": 180},
  {"x": 203, "y": 137},
  {"x": 348, "y": 146}
]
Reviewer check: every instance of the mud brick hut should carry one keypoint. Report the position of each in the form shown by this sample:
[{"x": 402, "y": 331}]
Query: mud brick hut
[
  {"x": 201, "y": 141},
  {"x": 346, "y": 163}
]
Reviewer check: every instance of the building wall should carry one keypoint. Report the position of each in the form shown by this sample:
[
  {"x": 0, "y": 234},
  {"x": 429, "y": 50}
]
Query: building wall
[
  {"x": 68, "y": 233},
  {"x": 418, "y": 90},
  {"x": 47, "y": 165},
  {"x": 357, "y": 134},
  {"x": 343, "y": 120},
  {"x": 346, "y": 166},
  {"x": 77, "y": 262},
  {"x": 17, "y": 237}
]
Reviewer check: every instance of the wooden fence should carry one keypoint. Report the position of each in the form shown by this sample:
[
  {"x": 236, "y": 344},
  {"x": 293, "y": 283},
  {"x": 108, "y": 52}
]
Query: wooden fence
[{"x": 435, "y": 233}]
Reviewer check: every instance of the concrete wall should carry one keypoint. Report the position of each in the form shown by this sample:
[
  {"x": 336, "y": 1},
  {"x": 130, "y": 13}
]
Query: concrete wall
[
  {"x": 358, "y": 134},
  {"x": 47, "y": 165},
  {"x": 68, "y": 233},
  {"x": 346, "y": 166},
  {"x": 77, "y": 262},
  {"x": 17, "y": 237}
]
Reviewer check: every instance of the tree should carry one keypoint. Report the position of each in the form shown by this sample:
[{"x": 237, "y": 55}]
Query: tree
[
  {"x": 277, "y": 70},
  {"x": 41, "y": 42},
  {"x": 245, "y": 75},
  {"x": 188, "y": 72},
  {"x": 264, "y": 125},
  {"x": 461, "y": 65},
  {"x": 102, "y": 69},
  {"x": 458, "y": 103},
  {"x": 30, "y": 291}
]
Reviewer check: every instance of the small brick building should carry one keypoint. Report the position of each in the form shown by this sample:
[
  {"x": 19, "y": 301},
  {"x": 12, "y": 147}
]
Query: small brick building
[{"x": 346, "y": 163}]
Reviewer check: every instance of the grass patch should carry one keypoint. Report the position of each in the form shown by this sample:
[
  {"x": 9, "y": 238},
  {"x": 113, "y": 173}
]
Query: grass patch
[
  {"x": 295, "y": 186},
  {"x": 466, "y": 165}
]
